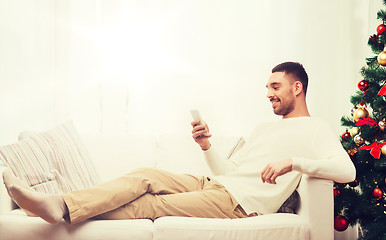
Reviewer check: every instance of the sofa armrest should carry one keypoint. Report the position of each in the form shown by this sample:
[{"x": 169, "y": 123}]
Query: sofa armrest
[
  {"x": 317, "y": 206},
  {"x": 5, "y": 200}
]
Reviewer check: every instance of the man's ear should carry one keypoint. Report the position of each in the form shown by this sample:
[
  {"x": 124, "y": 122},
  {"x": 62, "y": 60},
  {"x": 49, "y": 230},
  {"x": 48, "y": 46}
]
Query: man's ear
[{"x": 298, "y": 88}]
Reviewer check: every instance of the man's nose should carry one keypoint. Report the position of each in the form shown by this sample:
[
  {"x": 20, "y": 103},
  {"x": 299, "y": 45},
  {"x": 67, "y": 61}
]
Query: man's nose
[{"x": 269, "y": 94}]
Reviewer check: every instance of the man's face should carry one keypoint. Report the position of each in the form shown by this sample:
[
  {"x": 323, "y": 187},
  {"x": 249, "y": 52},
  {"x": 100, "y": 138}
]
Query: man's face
[{"x": 281, "y": 93}]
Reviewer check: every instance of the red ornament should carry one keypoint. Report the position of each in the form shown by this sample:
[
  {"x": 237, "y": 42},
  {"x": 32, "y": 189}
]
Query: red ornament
[
  {"x": 346, "y": 135},
  {"x": 377, "y": 193},
  {"x": 336, "y": 192},
  {"x": 363, "y": 85},
  {"x": 381, "y": 29},
  {"x": 340, "y": 223}
]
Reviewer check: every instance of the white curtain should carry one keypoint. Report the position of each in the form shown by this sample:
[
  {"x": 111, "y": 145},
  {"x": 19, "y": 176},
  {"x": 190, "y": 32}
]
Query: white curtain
[{"x": 139, "y": 66}]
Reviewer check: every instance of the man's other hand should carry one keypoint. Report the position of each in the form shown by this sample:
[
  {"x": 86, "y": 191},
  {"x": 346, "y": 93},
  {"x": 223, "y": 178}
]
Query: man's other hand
[{"x": 276, "y": 169}]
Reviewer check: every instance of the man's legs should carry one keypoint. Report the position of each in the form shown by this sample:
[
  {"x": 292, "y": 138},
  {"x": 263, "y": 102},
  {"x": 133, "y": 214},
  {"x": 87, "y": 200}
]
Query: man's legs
[
  {"x": 144, "y": 193},
  {"x": 88, "y": 203},
  {"x": 212, "y": 201}
]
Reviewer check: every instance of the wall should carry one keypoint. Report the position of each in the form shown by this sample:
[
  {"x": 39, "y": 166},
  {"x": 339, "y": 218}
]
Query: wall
[
  {"x": 26, "y": 67},
  {"x": 139, "y": 66}
]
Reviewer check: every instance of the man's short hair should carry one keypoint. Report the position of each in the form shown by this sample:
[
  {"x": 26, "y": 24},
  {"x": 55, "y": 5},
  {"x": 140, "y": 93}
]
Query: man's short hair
[{"x": 296, "y": 70}]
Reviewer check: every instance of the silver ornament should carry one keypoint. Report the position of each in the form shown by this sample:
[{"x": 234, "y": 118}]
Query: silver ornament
[{"x": 358, "y": 139}]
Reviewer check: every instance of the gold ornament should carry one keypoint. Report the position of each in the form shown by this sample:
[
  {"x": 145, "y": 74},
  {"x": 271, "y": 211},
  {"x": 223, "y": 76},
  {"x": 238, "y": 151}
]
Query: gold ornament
[
  {"x": 382, "y": 57},
  {"x": 383, "y": 149},
  {"x": 354, "y": 131},
  {"x": 353, "y": 110},
  {"x": 360, "y": 112},
  {"x": 382, "y": 124}
]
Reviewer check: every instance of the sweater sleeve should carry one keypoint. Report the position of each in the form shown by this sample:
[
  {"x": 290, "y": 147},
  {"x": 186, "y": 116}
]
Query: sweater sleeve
[
  {"x": 331, "y": 161},
  {"x": 217, "y": 164}
]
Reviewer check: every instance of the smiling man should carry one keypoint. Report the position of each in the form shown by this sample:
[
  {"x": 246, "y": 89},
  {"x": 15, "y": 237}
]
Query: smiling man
[
  {"x": 256, "y": 180},
  {"x": 287, "y": 88}
]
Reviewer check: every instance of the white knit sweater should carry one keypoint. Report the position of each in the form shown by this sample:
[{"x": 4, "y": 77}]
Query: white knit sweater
[{"x": 313, "y": 146}]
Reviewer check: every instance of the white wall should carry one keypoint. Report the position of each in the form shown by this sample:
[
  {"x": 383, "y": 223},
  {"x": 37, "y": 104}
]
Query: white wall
[
  {"x": 139, "y": 66},
  {"x": 26, "y": 67}
]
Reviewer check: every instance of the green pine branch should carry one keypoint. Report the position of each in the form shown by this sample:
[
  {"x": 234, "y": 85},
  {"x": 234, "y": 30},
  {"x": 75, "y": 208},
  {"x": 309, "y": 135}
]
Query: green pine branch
[
  {"x": 381, "y": 15},
  {"x": 376, "y": 47},
  {"x": 374, "y": 74},
  {"x": 358, "y": 98}
]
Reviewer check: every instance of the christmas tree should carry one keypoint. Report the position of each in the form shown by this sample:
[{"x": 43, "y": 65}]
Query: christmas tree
[{"x": 363, "y": 201}]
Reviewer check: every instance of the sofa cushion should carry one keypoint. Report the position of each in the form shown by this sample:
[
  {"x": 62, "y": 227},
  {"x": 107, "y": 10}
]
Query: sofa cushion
[
  {"x": 291, "y": 204},
  {"x": 267, "y": 227},
  {"x": 53, "y": 161},
  {"x": 16, "y": 225}
]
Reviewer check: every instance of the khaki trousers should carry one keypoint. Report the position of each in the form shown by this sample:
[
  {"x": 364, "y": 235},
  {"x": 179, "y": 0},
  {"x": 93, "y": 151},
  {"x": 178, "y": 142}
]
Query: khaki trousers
[{"x": 152, "y": 193}]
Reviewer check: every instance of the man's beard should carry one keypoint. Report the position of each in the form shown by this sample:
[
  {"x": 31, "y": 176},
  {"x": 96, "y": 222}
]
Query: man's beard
[{"x": 286, "y": 106}]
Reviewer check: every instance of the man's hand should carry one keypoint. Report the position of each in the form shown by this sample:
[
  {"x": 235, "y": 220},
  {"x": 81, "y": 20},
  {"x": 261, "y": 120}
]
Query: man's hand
[
  {"x": 199, "y": 129},
  {"x": 276, "y": 169}
]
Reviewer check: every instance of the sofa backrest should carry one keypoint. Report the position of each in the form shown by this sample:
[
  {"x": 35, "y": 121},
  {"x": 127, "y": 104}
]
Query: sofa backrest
[
  {"x": 118, "y": 154},
  {"x": 115, "y": 155},
  {"x": 181, "y": 154}
]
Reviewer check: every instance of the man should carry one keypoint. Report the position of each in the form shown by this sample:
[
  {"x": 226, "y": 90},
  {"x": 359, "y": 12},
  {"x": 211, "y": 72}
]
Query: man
[{"x": 256, "y": 180}]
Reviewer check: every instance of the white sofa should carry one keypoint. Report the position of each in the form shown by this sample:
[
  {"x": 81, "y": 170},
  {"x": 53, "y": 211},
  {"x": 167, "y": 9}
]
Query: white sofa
[{"x": 114, "y": 155}]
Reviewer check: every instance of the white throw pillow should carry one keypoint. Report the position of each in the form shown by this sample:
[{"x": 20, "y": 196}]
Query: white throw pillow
[{"x": 53, "y": 161}]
